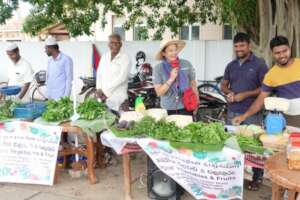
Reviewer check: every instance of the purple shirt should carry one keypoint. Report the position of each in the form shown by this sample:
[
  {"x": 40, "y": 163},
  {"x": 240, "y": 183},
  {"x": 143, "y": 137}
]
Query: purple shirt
[{"x": 245, "y": 77}]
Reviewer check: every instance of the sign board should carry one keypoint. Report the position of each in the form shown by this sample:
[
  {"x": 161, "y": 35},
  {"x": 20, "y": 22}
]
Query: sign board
[
  {"x": 28, "y": 152},
  {"x": 205, "y": 175}
]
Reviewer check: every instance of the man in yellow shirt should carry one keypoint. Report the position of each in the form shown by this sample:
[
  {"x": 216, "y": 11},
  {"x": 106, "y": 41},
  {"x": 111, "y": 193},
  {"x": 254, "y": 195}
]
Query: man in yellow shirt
[{"x": 283, "y": 80}]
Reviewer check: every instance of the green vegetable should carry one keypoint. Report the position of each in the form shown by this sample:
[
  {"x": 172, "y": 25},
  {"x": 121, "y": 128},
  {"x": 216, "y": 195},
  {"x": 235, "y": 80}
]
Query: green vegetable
[
  {"x": 7, "y": 109},
  {"x": 250, "y": 143},
  {"x": 91, "y": 109},
  {"x": 196, "y": 135},
  {"x": 58, "y": 110}
]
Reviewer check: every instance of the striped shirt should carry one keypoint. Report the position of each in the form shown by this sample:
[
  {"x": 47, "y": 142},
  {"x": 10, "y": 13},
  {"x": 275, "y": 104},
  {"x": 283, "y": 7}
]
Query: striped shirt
[{"x": 285, "y": 83}]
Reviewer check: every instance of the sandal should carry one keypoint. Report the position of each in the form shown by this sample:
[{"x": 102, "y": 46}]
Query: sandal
[{"x": 253, "y": 186}]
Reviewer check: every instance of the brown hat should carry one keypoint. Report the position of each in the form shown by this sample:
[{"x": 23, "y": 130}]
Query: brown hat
[{"x": 166, "y": 42}]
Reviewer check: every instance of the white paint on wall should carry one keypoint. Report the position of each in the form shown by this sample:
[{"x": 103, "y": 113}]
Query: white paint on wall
[{"x": 209, "y": 58}]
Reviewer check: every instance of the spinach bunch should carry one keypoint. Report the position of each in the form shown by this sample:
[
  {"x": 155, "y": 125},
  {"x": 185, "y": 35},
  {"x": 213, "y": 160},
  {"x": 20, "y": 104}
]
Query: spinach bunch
[
  {"x": 164, "y": 130},
  {"x": 91, "y": 109},
  {"x": 58, "y": 110},
  {"x": 248, "y": 140},
  {"x": 197, "y": 132},
  {"x": 6, "y": 110}
]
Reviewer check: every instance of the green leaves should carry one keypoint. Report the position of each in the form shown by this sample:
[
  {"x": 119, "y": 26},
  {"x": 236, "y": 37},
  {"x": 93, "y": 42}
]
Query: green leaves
[
  {"x": 62, "y": 110},
  {"x": 197, "y": 132},
  {"x": 6, "y": 9},
  {"x": 78, "y": 16},
  {"x": 157, "y": 16},
  {"x": 58, "y": 110},
  {"x": 91, "y": 109},
  {"x": 6, "y": 110}
]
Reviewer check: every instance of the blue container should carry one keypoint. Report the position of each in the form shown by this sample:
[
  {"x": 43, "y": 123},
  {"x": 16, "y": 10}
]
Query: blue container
[
  {"x": 10, "y": 90},
  {"x": 29, "y": 110},
  {"x": 275, "y": 123}
]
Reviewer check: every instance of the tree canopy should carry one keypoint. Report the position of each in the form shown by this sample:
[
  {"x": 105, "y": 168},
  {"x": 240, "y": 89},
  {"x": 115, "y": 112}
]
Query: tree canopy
[
  {"x": 157, "y": 15},
  {"x": 262, "y": 19}
]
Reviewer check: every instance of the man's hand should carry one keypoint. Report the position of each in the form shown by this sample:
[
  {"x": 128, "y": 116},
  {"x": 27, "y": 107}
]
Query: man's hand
[
  {"x": 230, "y": 97},
  {"x": 238, "y": 120},
  {"x": 239, "y": 97},
  {"x": 100, "y": 94}
]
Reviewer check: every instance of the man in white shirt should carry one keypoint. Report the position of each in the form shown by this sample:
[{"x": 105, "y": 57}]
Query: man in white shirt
[
  {"x": 112, "y": 74},
  {"x": 20, "y": 73}
]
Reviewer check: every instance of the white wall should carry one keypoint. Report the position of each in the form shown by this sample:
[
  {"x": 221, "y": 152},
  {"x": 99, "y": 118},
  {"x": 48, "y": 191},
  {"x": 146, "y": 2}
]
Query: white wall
[
  {"x": 208, "y": 57},
  {"x": 34, "y": 52},
  {"x": 217, "y": 55}
]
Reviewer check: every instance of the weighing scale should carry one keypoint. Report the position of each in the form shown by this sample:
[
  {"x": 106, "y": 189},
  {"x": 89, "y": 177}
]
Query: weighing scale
[{"x": 275, "y": 122}]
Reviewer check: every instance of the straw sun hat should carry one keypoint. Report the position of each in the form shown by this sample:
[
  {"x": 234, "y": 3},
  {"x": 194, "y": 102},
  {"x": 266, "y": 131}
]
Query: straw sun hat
[{"x": 166, "y": 42}]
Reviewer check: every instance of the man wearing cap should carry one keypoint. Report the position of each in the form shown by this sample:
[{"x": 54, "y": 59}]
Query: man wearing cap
[
  {"x": 112, "y": 75},
  {"x": 20, "y": 73},
  {"x": 59, "y": 72}
]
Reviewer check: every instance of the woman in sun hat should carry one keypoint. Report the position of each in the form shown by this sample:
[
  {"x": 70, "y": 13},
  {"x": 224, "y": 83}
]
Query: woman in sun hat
[{"x": 174, "y": 79}]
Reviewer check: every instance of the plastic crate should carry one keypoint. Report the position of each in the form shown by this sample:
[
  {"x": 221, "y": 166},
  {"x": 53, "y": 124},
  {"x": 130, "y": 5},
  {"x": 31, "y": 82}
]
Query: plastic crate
[
  {"x": 29, "y": 110},
  {"x": 10, "y": 90}
]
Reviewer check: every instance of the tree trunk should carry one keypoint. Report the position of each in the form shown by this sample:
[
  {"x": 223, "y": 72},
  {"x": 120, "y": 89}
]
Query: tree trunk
[{"x": 277, "y": 17}]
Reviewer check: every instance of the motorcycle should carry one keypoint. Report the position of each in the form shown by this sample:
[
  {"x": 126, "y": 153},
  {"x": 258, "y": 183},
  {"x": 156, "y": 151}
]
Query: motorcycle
[
  {"x": 89, "y": 87},
  {"x": 213, "y": 107},
  {"x": 138, "y": 85}
]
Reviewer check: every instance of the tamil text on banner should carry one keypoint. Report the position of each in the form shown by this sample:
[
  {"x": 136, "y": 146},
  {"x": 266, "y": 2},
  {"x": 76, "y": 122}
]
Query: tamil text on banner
[
  {"x": 205, "y": 175},
  {"x": 28, "y": 152}
]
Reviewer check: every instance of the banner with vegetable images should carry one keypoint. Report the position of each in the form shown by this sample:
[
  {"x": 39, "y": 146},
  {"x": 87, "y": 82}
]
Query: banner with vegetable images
[
  {"x": 28, "y": 152},
  {"x": 205, "y": 175}
]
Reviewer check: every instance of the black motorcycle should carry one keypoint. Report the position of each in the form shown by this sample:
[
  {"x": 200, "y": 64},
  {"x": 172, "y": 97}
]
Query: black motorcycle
[{"x": 139, "y": 85}]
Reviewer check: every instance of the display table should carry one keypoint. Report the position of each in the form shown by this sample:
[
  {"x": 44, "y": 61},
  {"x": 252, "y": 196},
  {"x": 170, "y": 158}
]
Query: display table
[
  {"x": 205, "y": 175},
  {"x": 93, "y": 151},
  {"x": 282, "y": 178}
]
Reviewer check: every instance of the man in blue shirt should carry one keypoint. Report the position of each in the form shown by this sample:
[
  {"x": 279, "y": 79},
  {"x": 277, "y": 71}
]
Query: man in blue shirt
[
  {"x": 242, "y": 81},
  {"x": 59, "y": 72}
]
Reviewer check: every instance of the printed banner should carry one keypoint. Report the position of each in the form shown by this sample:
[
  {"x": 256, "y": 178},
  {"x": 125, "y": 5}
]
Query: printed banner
[
  {"x": 28, "y": 152},
  {"x": 205, "y": 175}
]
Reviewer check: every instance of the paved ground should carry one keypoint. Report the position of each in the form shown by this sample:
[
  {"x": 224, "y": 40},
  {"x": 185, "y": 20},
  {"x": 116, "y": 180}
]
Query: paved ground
[{"x": 108, "y": 188}]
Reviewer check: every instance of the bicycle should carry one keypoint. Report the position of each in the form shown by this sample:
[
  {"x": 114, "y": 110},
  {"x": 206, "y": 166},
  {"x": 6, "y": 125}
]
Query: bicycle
[
  {"x": 39, "y": 86},
  {"x": 211, "y": 86}
]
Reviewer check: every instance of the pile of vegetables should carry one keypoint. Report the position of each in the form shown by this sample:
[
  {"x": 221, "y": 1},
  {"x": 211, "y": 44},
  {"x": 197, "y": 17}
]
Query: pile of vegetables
[
  {"x": 91, "y": 109},
  {"x": 6, "y": 110},
  {"x": 250, "y": 143},
  {"x": 58, "y": 110},
  {"x": 197, "y": 135},
  {"x": 62, "y": 110}
]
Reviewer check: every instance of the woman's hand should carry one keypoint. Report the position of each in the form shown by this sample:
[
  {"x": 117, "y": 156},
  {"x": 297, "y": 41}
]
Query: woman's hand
[{"x": 174, "y": 74}]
